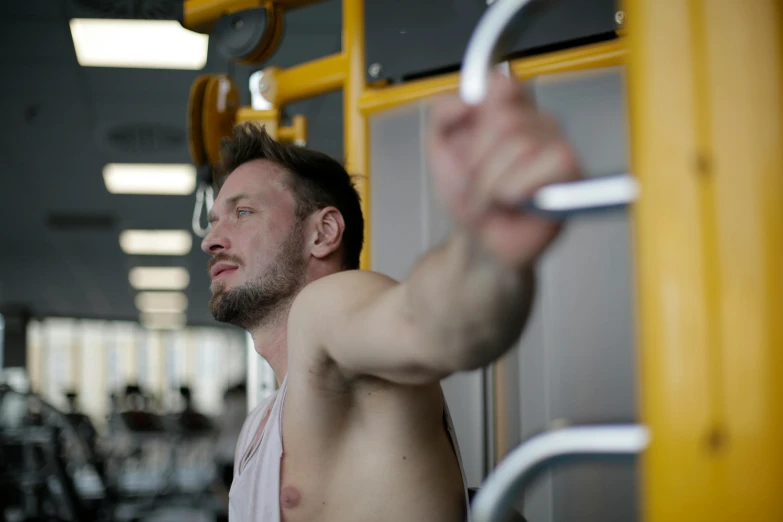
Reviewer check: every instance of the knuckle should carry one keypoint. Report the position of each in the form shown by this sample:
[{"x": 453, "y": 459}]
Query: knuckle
[
  {"x": 568, "y": 160},
  {"x": 509, "y": 122}
]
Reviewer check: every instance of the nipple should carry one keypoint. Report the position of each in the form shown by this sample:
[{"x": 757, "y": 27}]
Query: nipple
[{"x": 289, "y": 497}]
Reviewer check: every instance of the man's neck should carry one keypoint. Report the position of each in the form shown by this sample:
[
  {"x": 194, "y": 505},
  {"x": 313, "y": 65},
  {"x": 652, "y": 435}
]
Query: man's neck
[{"x": 271, "y": 342}]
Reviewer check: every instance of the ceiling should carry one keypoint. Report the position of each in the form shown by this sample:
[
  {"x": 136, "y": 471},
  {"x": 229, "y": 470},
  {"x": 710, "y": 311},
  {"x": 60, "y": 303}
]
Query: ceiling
[
  {"x": 57, "y": 118},
  {"x": 62, "y": 123}
]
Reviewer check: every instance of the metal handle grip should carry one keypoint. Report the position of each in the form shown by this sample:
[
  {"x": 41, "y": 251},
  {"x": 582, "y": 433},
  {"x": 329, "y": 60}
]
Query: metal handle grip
[
  {"x": 561, "y": 200},
  {"x": 496, "y": 497},
  {"x": 584, "y": 196}
]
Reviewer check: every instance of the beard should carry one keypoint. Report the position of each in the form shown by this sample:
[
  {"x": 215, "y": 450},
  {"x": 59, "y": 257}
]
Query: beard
[{"x": 258, "y": 302}]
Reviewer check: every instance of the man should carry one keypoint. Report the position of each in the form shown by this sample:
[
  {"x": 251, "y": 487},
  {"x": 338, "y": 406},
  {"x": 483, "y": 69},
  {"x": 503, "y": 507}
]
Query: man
[{"x": 358, "y": 430}]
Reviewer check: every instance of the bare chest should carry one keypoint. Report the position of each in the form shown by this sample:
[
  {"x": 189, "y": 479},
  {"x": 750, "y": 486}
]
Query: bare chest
[
  {"x": 306, "y": 476},
  {"x": 365, "y": 462},
  {"x": 359, "y": 477},
  {"x": 283, "y": 467}
]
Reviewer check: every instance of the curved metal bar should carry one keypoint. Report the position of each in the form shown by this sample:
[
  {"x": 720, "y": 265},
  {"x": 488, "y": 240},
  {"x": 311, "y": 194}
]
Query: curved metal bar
[
  {"x": 205, "y": 197},
  {"x": 474, "y": 78},
  {"x": 496, "y": 497},
  {"x": 555, "y": 201}
]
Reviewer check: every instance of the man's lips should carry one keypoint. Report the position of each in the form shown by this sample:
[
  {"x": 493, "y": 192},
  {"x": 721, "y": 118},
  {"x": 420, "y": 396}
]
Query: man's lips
[{"x": 221, "y": 268}]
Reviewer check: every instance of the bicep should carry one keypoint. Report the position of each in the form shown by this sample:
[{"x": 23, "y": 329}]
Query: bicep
[{"x": 359, "y": 320}]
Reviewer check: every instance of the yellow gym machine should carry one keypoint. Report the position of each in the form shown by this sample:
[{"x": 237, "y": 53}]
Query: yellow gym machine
[
  {"x": 248, "y": 32},
  {"x": 705, "y": 92}
]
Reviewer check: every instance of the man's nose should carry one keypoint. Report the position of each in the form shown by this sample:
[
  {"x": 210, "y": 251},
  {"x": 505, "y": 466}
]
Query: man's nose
[{"x": 215, "y": 241}]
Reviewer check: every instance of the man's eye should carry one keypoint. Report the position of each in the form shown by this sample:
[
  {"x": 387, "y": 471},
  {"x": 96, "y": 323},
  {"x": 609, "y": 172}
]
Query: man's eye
[{"x": 241, "y": 212}]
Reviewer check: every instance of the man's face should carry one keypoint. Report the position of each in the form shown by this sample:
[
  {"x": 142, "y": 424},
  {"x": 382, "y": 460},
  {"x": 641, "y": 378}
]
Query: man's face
[{"x": 256, "y": 244}]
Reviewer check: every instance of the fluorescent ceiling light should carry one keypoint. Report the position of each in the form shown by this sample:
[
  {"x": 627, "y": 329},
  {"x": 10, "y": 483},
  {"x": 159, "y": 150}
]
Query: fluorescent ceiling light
[
  {"x": 148, "y": 178},
  {"x": 151, "y": 44},
  {"x": 163, "y": 321},
  {"x": 156, "y": 242},
  {"x": 159, "y": 278},
  {"x": 152, "y": 302}
]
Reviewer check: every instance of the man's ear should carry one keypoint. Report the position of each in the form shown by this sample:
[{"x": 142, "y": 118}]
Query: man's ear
[{"x": 328, "y": 232}]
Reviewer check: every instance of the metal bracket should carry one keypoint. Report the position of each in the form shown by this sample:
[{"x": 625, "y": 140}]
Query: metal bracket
[{"x": 258, "y": 85}]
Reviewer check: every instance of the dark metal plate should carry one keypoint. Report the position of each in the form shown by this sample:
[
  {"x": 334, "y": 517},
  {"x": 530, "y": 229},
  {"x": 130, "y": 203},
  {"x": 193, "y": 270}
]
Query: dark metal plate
[{"x": 412, "y": 38}]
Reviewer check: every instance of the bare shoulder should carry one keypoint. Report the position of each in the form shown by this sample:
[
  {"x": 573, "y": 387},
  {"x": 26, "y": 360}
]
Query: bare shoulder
[
  {"x": 351, "y": 308},
  {"x": 340, "y": 291},
  {"x": 329, "y": 303}
]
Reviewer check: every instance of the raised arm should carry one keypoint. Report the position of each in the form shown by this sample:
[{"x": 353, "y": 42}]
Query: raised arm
[
  {"x": 466, "y": 302},
  {"x": 458, "y": 311}
]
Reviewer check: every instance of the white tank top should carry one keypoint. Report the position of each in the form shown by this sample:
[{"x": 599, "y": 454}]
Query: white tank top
[{"x": 255, "y": 491}]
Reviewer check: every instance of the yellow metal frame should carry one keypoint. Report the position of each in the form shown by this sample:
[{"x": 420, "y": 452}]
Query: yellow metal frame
[
  {"x": 201, "y": 15},
  {"x": 346, "y": 70},
  {"x": 296, "y": 133},
  {"x": 304, "y": 81},
  {"x": 706, "y": 100},
  {"x": 270, "y": 119},
  {"x": 603, "y": 54},
  {"x": 705, "y": 88}
]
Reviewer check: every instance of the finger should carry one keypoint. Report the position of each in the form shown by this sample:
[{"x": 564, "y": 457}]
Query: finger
[
  {"x": 493, "y": 129},
  {"x": 554, "y": 163},
  {"x": 515, "y": 149},
  {"x": 502, "y": 162},
  {"x": 503, "y": 91},
  {"x": 449, "y": 114},
  {"x": 508, "y": 113}
]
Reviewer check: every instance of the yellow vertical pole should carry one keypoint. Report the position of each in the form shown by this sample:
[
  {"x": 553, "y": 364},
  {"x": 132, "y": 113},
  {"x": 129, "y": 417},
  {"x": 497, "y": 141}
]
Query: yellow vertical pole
[
  {"x": 744, "y": 62},
  {"x": 706, "y": 105},
  {"x": 673, "y": 340},
  {"x": 356, "y": 128}
]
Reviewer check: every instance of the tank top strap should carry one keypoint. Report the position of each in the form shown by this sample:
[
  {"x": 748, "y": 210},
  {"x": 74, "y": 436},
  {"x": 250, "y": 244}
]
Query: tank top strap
[
  {"x": 277, "y": 408},
  {"x": 453, "y": 435}
]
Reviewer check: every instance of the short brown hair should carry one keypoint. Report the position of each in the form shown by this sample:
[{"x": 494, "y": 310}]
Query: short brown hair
[{"x": 317, "y": 180}]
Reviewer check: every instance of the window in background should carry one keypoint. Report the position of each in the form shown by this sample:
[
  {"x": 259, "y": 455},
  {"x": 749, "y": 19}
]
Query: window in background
[
  {"x": 58, "y": 339},
  {"x": 142, "y": 358},
  {"x": 113, "y": 354}
]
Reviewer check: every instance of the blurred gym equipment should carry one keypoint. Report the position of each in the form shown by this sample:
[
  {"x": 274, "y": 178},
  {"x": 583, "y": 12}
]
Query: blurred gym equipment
[
  {"x": 47, "y": 470},
  {"x": 213, "y": 110},
  {"x": 80, "y": 422},
  {"x": 53, "y": 466},
  {"x": 247, "y": 32},
  {"x": 212, "y": 106},
  {"x": 161, "y": 461}
]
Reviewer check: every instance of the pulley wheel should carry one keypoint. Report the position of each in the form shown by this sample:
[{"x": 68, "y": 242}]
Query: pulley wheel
[
  {"x": 195, "y": 133},
  {"x": 249, "y": 36},
  {"x": 218, "y": 113}
]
